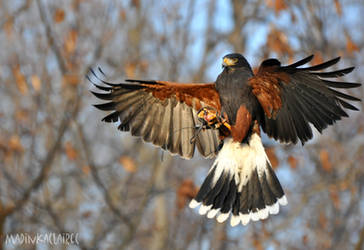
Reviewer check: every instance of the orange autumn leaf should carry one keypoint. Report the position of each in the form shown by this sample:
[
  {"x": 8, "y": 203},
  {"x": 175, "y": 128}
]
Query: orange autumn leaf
[
  {"x": 325, "y": 161},
  {"x": 20, "y": 80},
  {"x": 71, "y": 152},
  {"x": 144, "y": 65},
  {"x": 334, "y": 195},
  {"x": 292, "y": 161},
  {"x": 136, "y": 3},
  {"x": 270, "y": 3},
  {"x": 272, "y": 157},
  {"x": 317, "y": 59},
  {"x": 277, "y": 5},
  {"x": 71, "y": 79},
  {"x": 36, "y": 83},
  {"x": 322, "y": 220},
  {"x": 277, "y": 41},
  {"x": 59, "y": 15},
  {"x": 71, "y": 41},
  {"x": 14, "y": 144},
  {"x": 130, "y": 70},
  {"x": 86, "y": 214},
  {"x": 338, "y": 7},
  {"x": 128, "y": 164},
  {"x": 351, "y": 47},
  {"x": 86, "y": 169},
  {"x": 185, "y": 192},
  {"x": 344, "y": 185},
  {"x": 305, "y": 239},
  {"x": 22, "y": 115},
  {"x": 353, "y": 190},
  {"x": 8, "y": 26},
  {"x": 122, "y": 15},
  {"x": 257, "y": 243},
  {"x": 293, "y": 16}
]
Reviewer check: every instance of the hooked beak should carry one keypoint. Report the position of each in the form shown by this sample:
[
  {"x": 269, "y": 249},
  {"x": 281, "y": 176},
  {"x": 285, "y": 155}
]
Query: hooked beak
[
  {"x": 224, "y": 63},
  {"x": 228, "y": 61}
]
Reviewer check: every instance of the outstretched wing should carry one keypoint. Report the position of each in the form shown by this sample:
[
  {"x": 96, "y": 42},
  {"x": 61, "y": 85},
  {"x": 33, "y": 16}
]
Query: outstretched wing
[
  {"x": 164, "y": 113},
  {"x": 293, "y": 97}
]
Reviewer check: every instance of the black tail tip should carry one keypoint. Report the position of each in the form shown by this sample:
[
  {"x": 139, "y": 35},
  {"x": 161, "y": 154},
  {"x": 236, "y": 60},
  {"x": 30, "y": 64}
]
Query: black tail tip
[{"x": 220, "y": 196}]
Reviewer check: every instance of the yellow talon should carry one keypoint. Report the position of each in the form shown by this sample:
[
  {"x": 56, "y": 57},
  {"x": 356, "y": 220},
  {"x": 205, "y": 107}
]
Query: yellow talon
[{"x": 212, "y": 118}]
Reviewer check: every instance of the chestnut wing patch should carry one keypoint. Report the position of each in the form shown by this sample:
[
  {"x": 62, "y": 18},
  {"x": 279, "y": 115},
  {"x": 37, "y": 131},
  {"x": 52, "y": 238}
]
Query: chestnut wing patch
[
  {"x": 266, "y": 87},
  {"x": 292, "y": 98},
  {"x": 162, "y": 113}
]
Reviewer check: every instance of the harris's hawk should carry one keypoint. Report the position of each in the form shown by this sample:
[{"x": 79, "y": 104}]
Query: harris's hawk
[{"x": 224, "y": 118}]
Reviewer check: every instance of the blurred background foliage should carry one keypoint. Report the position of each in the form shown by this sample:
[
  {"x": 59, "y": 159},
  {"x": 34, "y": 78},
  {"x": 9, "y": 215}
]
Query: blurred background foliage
[{"x": 63, "y": 170}]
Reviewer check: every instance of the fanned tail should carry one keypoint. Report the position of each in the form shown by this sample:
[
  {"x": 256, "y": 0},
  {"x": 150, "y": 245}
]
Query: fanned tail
[{"x": 241, "y": 182}]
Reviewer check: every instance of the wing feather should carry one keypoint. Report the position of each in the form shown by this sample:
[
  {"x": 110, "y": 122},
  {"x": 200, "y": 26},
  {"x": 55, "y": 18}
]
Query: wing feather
[
  {"x": 344, "y": 85},
  {"x": 335, "y": 74},
  {"x": 163, "y": 113},
  {"x": 322, "y": 66},
  {"x": 292, "y": 98},
  {"x": 300, "y": 62}
]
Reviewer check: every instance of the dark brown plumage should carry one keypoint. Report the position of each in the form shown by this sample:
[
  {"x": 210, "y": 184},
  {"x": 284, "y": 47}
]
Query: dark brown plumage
[
  {"x": 163, "y": 113},
  {"x": 293, "y": 97},
  {"x": 223, "y": 119}
]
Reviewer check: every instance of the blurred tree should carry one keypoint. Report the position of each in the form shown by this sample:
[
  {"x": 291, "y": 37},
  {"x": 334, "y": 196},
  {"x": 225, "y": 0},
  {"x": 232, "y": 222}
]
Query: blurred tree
[{"x": 63, "y": 170}]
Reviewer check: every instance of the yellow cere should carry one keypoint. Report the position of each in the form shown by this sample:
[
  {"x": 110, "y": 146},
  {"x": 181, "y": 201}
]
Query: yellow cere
[{"x": 230, "y": 61}]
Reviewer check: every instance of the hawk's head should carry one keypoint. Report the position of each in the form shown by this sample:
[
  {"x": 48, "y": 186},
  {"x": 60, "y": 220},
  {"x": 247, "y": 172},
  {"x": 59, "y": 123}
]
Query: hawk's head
[{"x": 234, "y": 60}]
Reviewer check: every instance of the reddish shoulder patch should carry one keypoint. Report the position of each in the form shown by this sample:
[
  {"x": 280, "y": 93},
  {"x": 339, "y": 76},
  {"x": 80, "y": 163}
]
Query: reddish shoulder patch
[{"x": 242, "y": 124}]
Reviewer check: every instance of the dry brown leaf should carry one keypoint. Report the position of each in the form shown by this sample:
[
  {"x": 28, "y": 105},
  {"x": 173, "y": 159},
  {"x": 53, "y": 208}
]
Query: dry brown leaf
[
  {"x": 322, "y": 220},
  {"x": 76, "y": 4},
  {"x": 277, "y": 41},
  {"x": 304, "y": 239},
  {"x": 130, "y": 69},
  {"x": 136, "y": 3},
  {"x": 128, "y": 164},
  {"x": 293, "y": 17},
  {"x": 338, "y": 7},
  {"x": 36, "y": 83},
  {"x": 15, "y": 145},
  {"x": 8, "y": 26},
  {"x": 144, "y": 65},
  {"x": 71, "y": 41},
  {"x": 257, "y": 243},
  {"x": 344, "y": 185},
  {"x": 325, "y": 161},
  {"x": 185, "y": 192},
  {"x": 351, "y": 47},
  {"x": 292, "y": 161},
  {"x": 71, "y": 79},
  {"x": 71, "y": 152},
  {"x": 86, "y": 214},
  {"x": 59, "y": 15},
  {"x": 272, "y": 157},
  {"x": 334, "y": 195},
  {"x": 277, "y": 5},
  {"x": 122, "y": 15},
  {"x": 20, "y": 80},
  {"x": 22, "y": 115},
  {"x": 86, "y": 169},
  {"x": 317, "y": 59},
  {"x": 270, "y": 3}
]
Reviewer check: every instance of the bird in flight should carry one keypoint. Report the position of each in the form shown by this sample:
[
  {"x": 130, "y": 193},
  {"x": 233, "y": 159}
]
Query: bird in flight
[{"x": 223, "y": 119}]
